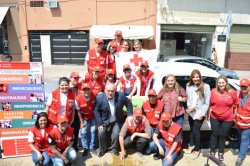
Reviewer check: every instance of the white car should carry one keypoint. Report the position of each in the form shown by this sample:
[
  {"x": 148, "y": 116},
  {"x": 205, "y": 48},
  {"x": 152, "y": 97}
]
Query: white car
[
  {"x": 204, "y": 62},
  {"x": 182, "y": 73}
]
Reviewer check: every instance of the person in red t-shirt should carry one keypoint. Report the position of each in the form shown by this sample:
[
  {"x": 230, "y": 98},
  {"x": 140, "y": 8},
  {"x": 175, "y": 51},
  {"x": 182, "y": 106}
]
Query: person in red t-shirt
[{"x": 222, "y": 104}]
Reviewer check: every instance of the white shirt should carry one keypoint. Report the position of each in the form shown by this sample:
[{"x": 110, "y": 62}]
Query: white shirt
[{"x": 112, "y": 117}]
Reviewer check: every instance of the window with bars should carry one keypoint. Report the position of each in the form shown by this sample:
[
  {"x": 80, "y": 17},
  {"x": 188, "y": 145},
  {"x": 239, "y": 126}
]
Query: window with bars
[{"x": 36, "y": 3}]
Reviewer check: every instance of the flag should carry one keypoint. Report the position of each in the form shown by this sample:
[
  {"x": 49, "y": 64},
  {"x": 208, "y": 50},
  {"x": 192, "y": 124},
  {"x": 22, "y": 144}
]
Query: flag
[{"x": 134, "y": 59}]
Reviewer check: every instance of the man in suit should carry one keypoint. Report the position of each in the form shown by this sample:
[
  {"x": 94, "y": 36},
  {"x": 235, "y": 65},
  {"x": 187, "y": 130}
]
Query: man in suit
[{"x": 109, "y": 117}]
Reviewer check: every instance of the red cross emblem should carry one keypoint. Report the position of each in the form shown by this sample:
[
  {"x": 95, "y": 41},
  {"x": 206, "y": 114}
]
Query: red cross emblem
[{"x": 136, "y": 60}]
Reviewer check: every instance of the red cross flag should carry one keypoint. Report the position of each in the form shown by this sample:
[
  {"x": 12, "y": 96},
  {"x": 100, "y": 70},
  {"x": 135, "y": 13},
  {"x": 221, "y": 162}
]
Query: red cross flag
[{"x": 134, "y": 59}]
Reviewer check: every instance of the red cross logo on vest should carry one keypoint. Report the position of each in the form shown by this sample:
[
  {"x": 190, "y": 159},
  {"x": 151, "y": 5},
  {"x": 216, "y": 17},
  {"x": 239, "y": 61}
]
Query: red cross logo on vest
[{"x": 136, "y": 60}]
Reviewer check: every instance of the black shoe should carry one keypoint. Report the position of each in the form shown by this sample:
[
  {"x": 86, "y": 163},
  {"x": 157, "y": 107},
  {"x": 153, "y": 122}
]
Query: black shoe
[
  {"x": 85, "y": 153},
  {"x": 100, "y": 154},
  {"x": 220, "y": 156},
  {"x": 238, "y": 162},
  {"x": 212, "y": 153},
  {"x": 157, "y": 156}
]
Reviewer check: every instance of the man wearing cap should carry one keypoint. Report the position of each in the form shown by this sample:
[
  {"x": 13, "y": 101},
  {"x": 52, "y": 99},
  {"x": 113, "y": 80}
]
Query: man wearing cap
[
  {"x": 61, "y": 141},
  {"x": 75, "y": 86},
  {"x": 85, "y": 106},
  {"x": 127, "y": 83},
  {"x": 94, "y": 80},
  {"x": 170, "y": 142},
  {"x": 146, "y": 78},
  {"x": 152, "y": 109},
  {"x": 135, "y": 132},
  {"x": 242, "y": 119},
  {"x": 110, "y": 78},
  {"x": 109, "y": 117},
  {"x": 118, "y": 40},
  {"x": 97, "y": 57}
]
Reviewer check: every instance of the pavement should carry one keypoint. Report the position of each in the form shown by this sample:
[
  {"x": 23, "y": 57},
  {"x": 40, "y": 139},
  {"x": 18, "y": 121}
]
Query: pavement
[{"x": 52, "y": 73}]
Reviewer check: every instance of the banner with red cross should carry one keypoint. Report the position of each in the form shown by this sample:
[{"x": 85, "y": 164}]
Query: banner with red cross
[{"x": 134, "y": 59}]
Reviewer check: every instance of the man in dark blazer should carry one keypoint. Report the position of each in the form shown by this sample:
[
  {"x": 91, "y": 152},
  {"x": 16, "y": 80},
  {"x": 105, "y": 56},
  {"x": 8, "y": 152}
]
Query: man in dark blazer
[{"x": 109, "y": 117}]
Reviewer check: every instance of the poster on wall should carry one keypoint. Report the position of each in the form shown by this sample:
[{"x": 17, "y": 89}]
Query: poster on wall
[{"x": 21, "y": 99}]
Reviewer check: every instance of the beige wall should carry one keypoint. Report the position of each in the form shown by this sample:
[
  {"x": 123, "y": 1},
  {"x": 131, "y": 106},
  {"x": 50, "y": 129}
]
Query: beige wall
[{"x": 82, "y": 14}]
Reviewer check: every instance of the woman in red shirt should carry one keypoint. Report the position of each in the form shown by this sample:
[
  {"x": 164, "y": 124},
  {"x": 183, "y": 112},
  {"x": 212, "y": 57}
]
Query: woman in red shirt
[{"x": 222, "y": 105}]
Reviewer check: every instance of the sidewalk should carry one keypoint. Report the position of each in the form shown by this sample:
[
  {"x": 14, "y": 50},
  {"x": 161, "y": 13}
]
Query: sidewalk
[{"x": 132, "y": 160}]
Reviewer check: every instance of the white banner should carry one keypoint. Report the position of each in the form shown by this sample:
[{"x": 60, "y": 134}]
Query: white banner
[{"x": 134, "y": 59}]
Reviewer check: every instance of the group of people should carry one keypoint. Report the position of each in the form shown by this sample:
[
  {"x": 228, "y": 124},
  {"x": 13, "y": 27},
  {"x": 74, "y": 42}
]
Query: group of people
[{"x": 95, "y": 105}]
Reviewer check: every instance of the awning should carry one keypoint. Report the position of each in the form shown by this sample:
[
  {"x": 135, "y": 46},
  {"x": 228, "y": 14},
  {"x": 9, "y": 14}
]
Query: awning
[
  {"x": 3, "y": 11},
  {"x": 128, "y": 32}
]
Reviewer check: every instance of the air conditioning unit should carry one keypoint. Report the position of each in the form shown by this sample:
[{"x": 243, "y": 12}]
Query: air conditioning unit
[{"x": 52, "y": 4}]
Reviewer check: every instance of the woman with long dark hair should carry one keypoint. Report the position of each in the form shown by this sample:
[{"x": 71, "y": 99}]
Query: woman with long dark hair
[
  {"x": 198, "y": 94},
  {"x": 61, "y": 102},
  {"x": 38, "y": 139}
]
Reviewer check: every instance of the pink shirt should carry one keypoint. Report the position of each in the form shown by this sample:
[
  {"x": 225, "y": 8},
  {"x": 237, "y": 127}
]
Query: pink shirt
[{"x": 222, "y": 105}]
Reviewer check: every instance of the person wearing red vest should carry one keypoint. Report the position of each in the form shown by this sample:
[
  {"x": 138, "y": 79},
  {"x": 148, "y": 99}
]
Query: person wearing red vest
[
  {"x": 146, "y": 78},
  {"x": 222, "y": 107},
  {"x": 85, "y": 107},
  {"x": 38, "y": 137},
  {"x": 135, "y": 132},
  {"x": 127, "y": 83},
  {"x": 61, "y": 102},
  {"x": 95, "y": 81},
  {"x": 170, "y": 142},
  {"x": 118, "y": 40},
  {"x": 111, "y": 56},
  {"x": 61, "y": 141},
  {"x": 75, "y": 86},
  {"x": 110, "y": 78},
  {"x": 97, "y": 57},
  {"x": 152, "y": 109},
  {"x": 242, "y": 119}
]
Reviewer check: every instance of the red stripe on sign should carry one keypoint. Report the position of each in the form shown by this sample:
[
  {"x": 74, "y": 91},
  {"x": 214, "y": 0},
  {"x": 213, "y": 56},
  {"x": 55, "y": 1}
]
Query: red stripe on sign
[
  {"x": 14, "y": 65},
  {"x": 16, "y": 147}
]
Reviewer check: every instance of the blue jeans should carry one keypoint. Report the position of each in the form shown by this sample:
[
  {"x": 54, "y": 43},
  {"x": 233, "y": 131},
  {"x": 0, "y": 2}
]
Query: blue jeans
[
  {"x": 154, "y": 148},
  {"x": 245, "y": 137},
  {"x": 88, "y": 134},
  {"x": 71, "y": 155},
  {"x": 46, "y": 158},
  {"x": 179, "y": 120}
]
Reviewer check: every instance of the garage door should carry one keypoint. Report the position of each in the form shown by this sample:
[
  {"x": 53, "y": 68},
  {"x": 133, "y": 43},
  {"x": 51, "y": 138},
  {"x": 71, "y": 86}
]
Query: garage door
[{"x": 69, "y": 48}]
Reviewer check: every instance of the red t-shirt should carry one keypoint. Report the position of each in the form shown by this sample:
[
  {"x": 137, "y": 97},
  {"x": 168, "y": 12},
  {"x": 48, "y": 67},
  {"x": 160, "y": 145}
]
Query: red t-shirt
[{"x": 222, "y": 105}]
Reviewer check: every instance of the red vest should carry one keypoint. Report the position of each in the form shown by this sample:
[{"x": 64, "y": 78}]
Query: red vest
[
  {"x": 61, "y": 144},
  {"x": 118, "y": 46},
  {"x": 54, "y": 109},
  {"x": 144, "y": 81},
  {"x": 97, "y": 61},
  {"x": 97, "y": 87},
  {"x": 170, "y": 134},
  {"x": 123, "y": 83},
  {"x": 41, "y": 143},
  {"x": 86, "y": 107},
  {"x": 153, "y": 114},
  {"x": 242, "y": 119},
  {"x": 132, "y": 127},
  {"x": 111, "y": 63}
]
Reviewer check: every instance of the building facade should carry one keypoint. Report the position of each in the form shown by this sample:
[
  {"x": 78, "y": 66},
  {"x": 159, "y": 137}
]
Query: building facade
[
  {"x": 58, "y": 31},
  {"x": 194, "y": 27}
]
